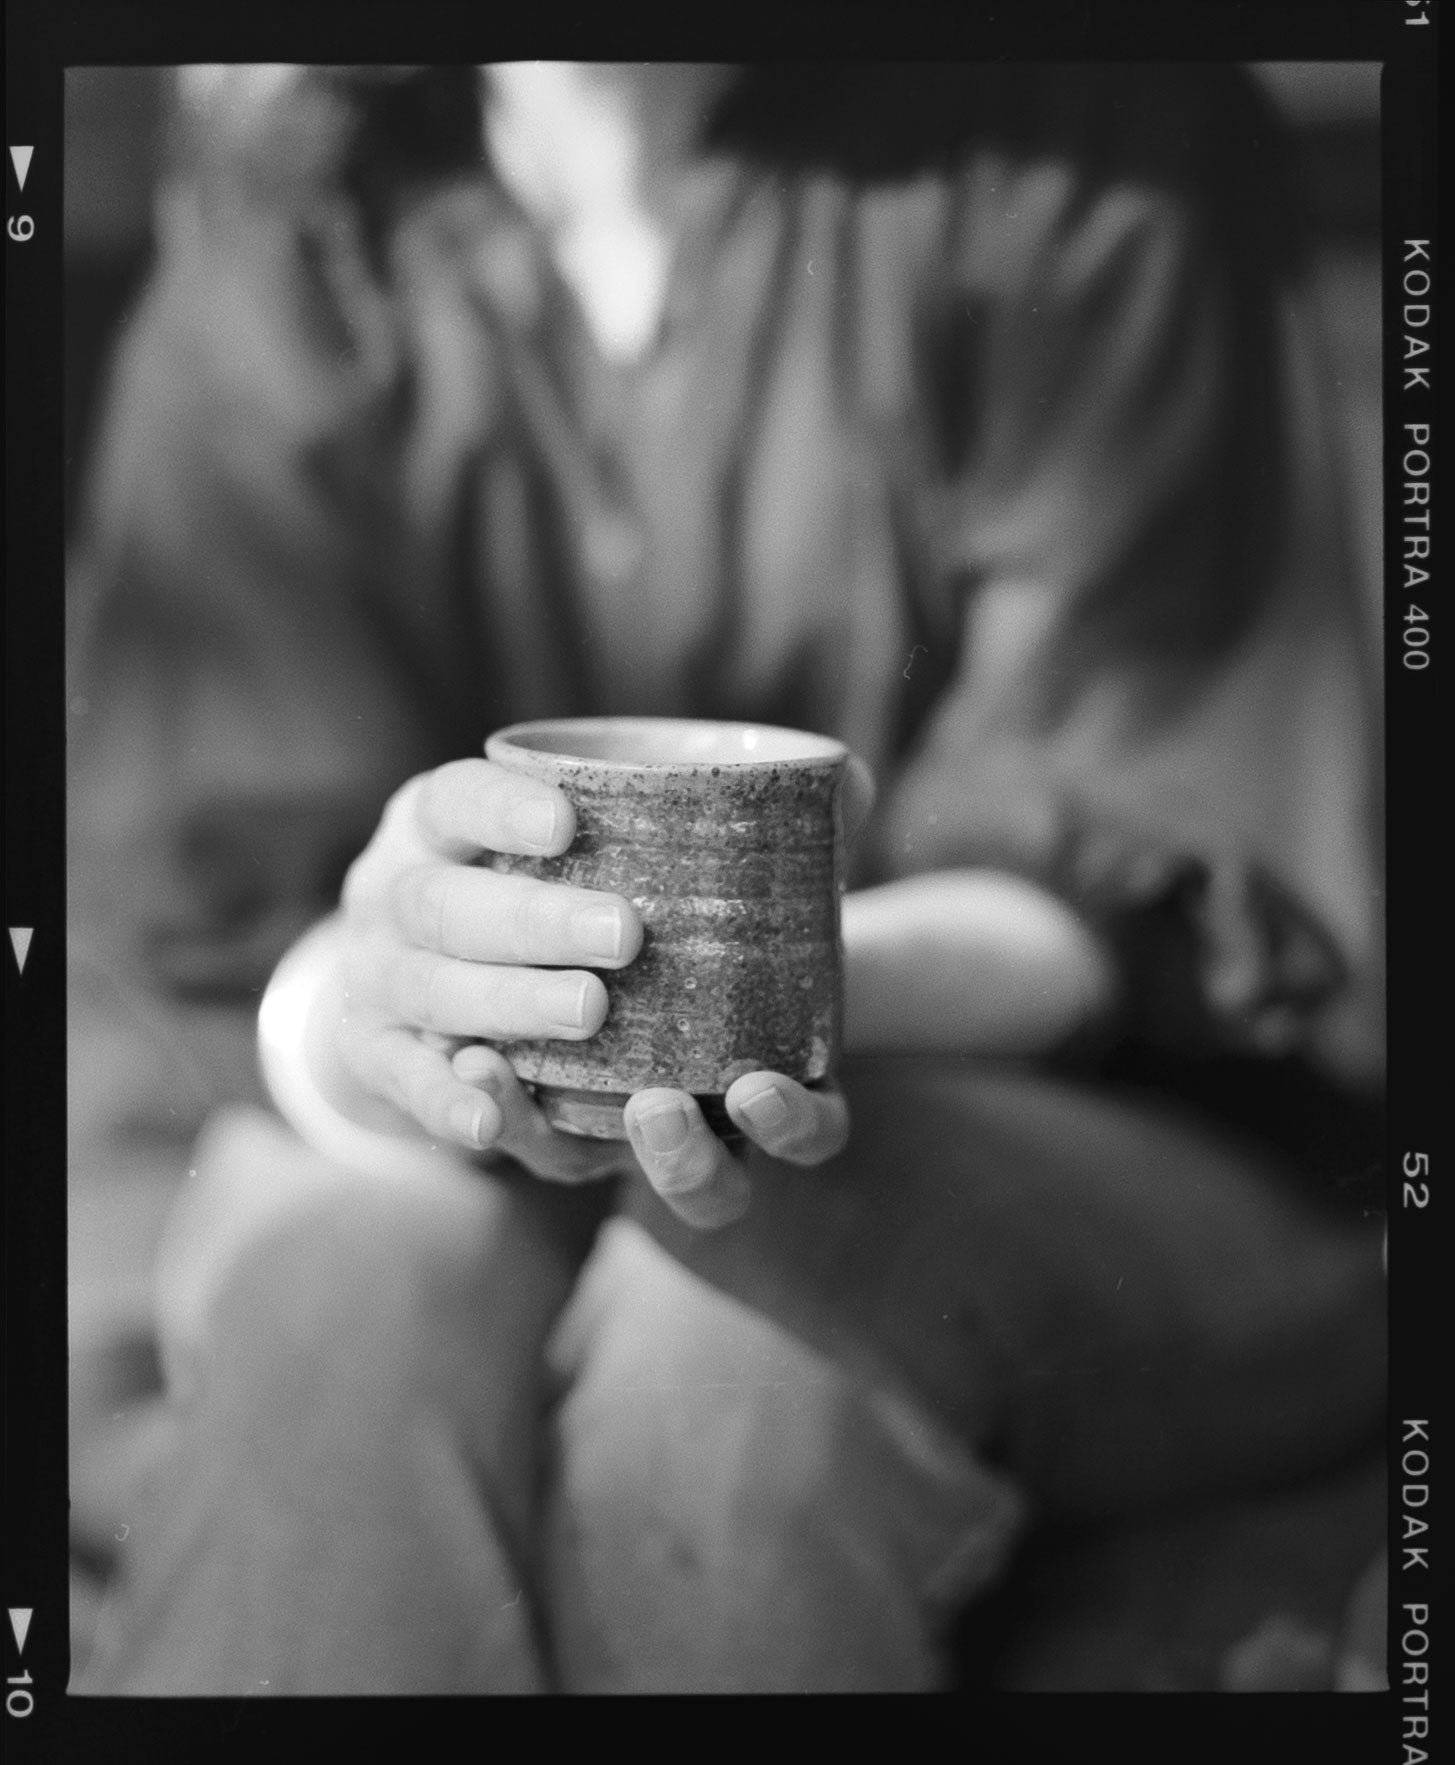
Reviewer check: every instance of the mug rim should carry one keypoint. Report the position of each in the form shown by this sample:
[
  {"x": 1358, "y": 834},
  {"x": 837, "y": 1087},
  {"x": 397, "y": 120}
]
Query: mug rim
[{"x": 811, "y": 749}]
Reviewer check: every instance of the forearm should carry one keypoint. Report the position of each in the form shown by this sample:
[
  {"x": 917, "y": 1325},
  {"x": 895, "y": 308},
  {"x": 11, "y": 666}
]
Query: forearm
[{"x": 969, "y": 961}]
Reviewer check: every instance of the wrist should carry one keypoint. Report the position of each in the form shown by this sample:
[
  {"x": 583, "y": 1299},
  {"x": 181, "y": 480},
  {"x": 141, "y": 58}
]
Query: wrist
[{"x": 971, "y": 962}]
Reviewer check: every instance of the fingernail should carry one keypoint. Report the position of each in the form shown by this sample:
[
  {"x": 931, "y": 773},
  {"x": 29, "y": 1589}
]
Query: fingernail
[
  {"x": 533, "y": 821},
  {"x": 467, "y": 1121},
  {"x": 767, "y": 1112},
  {"x": 598, "y": 932},
  {"x": 665, "y": 1129},
  {"x": 565, "y": 1002}
]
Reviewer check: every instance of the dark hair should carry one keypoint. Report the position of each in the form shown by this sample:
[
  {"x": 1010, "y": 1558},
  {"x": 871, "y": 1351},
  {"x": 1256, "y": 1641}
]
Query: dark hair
[{"x": 1208, "y": 131}]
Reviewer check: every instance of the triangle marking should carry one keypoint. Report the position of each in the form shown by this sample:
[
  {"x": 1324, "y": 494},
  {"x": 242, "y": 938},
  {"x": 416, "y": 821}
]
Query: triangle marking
[
  {"x": 20, "y": 936},
  {"x": 20, "y": 1623},
  {"x": 20, "y": 157}
]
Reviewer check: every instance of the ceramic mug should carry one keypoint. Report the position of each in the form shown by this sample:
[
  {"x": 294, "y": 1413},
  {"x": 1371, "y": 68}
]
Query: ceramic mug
[{"x": 728, "y": 840}]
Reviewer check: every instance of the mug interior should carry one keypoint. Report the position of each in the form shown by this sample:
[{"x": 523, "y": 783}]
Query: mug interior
[{"x": 669, "y": 741}]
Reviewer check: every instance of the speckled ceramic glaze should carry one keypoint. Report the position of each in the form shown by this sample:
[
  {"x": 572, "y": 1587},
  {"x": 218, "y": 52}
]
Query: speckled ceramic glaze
[{"x": 727, "y": 839}]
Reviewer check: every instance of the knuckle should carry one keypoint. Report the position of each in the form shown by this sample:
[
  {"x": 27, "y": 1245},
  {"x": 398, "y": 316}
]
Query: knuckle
[
  {"x": 538, "y": 924},
  {"x": 513, "y": 920},
  {"x": 419, "y": 980},
  {"x": 509, "y": 1004},
  {"x": 361, "y": 882},
  {"x": 426, "y": 1084},
  {"x": 711, "y": 1209},
  {"x": 798, "y": 1149},
  {"x": 421, "y": 801},
  {"x": 527, "y": 921},
  {"x": 440, "y": 806},
  {"x": 391, "y": 1078},
  {"x": 405, "y": 797},
  {"x": 434, "y": 994},
  {"x": 450, "y": 803},
  {"x": 406, "y": 811},
  {"x": 437, "y": 896},
  {"x": 367, "y": 880},
  {"x": 687, "y": 1172},
  {"x": 423, "y": 900},
  {"x": 382, "y": 1065}
]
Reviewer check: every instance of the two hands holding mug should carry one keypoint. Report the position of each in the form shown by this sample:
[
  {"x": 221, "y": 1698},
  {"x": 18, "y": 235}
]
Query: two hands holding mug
[
  {"x": 442, "y": 956},
  {"x": 439, "y": 952}
]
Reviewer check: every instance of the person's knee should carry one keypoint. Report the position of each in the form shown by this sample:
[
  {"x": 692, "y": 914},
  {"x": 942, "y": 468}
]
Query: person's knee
[
  {"x": 344, "y": 1292},
  {"x": 733, "y": 1512},
  {"x": 388, "y": 1297}
]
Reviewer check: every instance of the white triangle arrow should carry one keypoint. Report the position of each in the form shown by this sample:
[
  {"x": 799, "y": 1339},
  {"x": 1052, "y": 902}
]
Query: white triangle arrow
[
  {"x": 20, "y": 936},
  {"x": 20, "y": 1624},
  {"x": 21, "y": 156}
]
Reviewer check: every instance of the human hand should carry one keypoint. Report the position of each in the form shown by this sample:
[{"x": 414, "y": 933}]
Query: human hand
[
  {"x": 441, "y": 956},
  {"x": 691, "y": 1168},
  {"x": 439, "y": 951}
]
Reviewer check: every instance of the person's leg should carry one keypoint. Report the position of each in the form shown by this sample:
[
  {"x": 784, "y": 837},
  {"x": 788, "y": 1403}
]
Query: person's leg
[
  {"x": 1115, "y": 1306},
  {"x": 1116, "y": 1311},
  {"x": 733, "y": 1511},
  {"x": 346, "y": 1502},
  {"x": 773, "y": 1445}
]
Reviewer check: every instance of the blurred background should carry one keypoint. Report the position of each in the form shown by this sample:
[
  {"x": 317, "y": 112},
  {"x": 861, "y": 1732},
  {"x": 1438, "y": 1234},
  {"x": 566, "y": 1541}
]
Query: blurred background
[{"x": 118, "y": 139}]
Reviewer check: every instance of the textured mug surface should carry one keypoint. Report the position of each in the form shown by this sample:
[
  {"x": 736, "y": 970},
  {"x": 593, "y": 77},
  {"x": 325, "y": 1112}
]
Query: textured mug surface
[{"x": 727, "y": 838}]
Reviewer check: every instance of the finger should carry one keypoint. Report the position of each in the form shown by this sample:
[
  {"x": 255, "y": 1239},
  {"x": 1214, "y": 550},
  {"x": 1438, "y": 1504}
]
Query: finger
[
  {"x": 472, "y": 806},
  {"x": 419, "y": 1080},
  {"x": 420, "y": 990},
  {"x": 525, "y": 1133},
  {"x": 787, "y": 1119},
  {"x": 396, "y": 845},
  {"x": 684, "y": 1160},
  {"x": 481, "y": 916}
]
